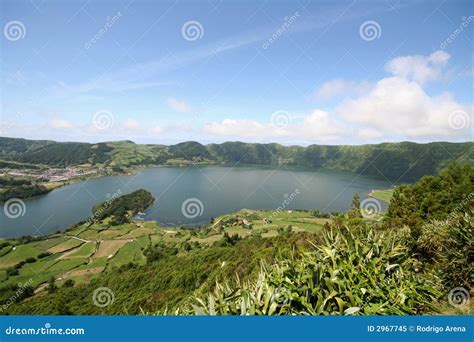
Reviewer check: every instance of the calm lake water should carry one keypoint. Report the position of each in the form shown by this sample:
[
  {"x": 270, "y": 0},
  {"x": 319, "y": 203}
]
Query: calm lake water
[{"x": 205, "y": 191}]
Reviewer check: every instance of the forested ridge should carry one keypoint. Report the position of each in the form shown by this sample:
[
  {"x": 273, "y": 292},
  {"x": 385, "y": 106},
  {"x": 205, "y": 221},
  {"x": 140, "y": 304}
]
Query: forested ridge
[{"x": 404, "y": 161}]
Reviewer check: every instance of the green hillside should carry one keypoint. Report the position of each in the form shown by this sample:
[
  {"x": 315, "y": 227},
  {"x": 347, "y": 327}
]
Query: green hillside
[
  {"x": 404, "y": 161},
  {"x": 260, "y": 262}
]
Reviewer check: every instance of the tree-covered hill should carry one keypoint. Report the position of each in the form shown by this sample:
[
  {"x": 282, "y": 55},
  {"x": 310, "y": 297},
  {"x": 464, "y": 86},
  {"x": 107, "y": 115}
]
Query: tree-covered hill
[
  {"x": 121, "y": 209},
  {"x": 404, "y": 161}
]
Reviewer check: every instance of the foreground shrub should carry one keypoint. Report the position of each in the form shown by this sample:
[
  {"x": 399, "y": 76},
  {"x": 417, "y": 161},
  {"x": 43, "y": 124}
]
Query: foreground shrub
[
  {"x": 450, "y": 245},
  {"x": 354, "y": 271}
]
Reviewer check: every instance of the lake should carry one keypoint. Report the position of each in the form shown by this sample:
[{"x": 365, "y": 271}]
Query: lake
[{"x": 192, "y": 195}]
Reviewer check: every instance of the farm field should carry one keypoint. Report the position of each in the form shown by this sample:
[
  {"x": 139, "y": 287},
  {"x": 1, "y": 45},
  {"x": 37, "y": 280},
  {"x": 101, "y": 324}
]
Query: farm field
[{"x": 82, "y": 253}]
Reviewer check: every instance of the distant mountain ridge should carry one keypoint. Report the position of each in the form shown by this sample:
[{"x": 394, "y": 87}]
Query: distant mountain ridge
[{"x": 402, "y": 161}]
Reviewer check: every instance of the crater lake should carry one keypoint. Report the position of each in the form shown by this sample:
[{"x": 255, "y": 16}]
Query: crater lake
[{"x": 191, "y": 196}]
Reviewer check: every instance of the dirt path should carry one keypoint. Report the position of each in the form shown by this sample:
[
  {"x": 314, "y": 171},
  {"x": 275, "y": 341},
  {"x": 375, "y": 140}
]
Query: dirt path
[{"x": 78, "y": 238}]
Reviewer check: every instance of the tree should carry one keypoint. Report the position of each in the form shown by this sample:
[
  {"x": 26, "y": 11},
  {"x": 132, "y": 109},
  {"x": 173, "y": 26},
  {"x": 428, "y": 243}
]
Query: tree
[
  {"x": 354, "y": 212},
  {"x": 69, "y": 283},
  {"x": 52, "y": 287}
]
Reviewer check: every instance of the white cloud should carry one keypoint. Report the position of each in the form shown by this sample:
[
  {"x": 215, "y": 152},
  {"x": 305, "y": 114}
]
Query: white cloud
[
  {"x": 239, "y": 128},
  {"x": 397, "y": 106},
  {"x": 132, "y": 124},
  {"x": 419, "y": 68},
  {"x": 316, "y": 126},
  {"x": 80, "y": 92},
  {"x": 178, "y": 106},
  {"x": 394, "y": 108},
  {"x": 157, "y": 130},
  {"x": 339, "y": 87},
  {"x": 60, "y": 124}
]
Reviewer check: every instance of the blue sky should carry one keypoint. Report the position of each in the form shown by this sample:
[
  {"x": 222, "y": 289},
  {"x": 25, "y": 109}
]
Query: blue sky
[{"x": 293, "y": 72}]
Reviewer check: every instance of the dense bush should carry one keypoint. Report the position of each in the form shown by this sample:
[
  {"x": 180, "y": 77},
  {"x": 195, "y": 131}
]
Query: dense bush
[
  {"x": 450, "y": 245},
  {"x": 433, "y": 197},
  {"x": 356, "y": 270},
  {"x": 14, "y": 294}
]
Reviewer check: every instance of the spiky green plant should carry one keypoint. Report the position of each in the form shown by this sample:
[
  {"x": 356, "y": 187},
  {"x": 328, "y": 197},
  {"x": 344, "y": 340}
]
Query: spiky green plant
[
  {"x": 356, "y": 270},
  {"x": 450, "y": 245}
]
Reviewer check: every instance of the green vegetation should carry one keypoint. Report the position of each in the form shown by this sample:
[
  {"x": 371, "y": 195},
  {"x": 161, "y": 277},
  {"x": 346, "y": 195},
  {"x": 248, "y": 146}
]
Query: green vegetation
[
  {"x": 389, "y": 159},
  {"x": 433, "y": 197},
  {"x": 383, "y": 195},
  {"x": 354, "y": 270},
  {"x": 121, "y": 209},
  {"x": 354, "y": 212},
  {"x": 261, "y": 262},
  {"x": 20, "y": 187},
  {"x": 24, "y": 191}
]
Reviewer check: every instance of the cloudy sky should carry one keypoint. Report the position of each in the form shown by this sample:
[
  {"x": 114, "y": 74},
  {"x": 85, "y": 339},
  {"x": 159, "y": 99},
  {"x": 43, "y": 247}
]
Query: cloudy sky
[{"x": 293, "y": 72}]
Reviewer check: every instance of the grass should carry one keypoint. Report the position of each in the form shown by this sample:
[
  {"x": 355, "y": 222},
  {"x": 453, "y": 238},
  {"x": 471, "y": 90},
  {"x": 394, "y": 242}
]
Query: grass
[
  {"x": 131, "y": 252},
  {"x": 83, "y": 251},
  {"x": 5, "y": 250},
  {"x": 383, "y": 195},
  {"x": 156, "y": 238},
  {"x": 65, "y": 246},
  {"x": 110, "y": 234},
  {"x": 137, "y": 233},
  {"x": 66, "y": 265},
  {"x": 19, "y": 253},
  {"x": 108, "y": 248},
  {"x": 93, "y": 263},
  {"x": 239, "y": 230},
  {"x": 89, "y": 234},
  {"x": 207, "y": 240},
  {"x": 125, "y": 154},
  {"x": 39, "y": 266},
  {"x": 48, "y": 243},
  {"x": 42, "y": 270},
  {"x": 84, "y": 276}
]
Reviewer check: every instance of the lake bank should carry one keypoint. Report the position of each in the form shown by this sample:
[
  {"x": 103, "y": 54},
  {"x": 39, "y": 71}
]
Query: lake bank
[{"x": 211, "y": 190}]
